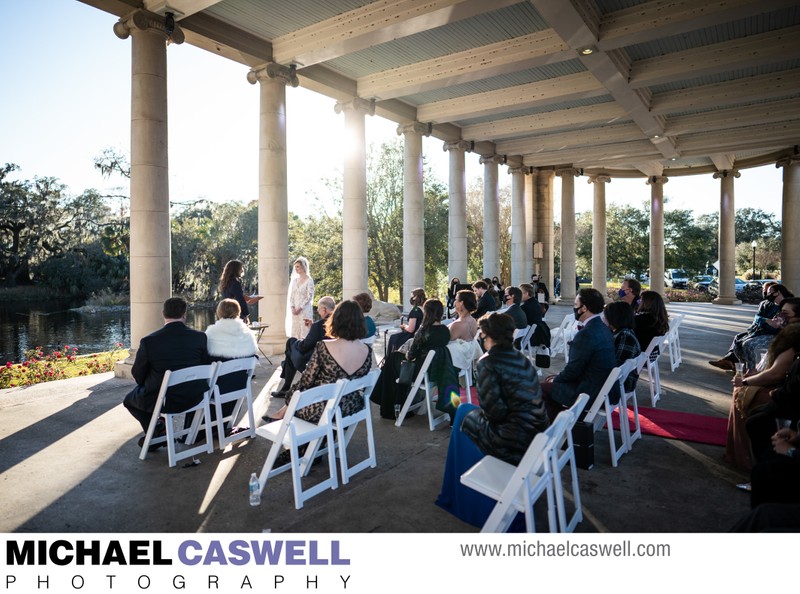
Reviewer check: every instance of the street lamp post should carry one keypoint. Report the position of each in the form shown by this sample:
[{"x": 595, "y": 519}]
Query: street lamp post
[{"x": 754, "y": 258}]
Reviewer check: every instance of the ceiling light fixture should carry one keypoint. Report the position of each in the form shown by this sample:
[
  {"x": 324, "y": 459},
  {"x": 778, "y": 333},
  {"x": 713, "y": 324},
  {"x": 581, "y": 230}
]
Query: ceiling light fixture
[{"x": 587, "y": 50}]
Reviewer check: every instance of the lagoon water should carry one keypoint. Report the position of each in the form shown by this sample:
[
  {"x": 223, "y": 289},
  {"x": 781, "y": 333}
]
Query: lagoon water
[{"x": 54, "y": 324}]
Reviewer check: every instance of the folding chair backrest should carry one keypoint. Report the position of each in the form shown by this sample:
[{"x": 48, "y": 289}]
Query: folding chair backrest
[
  {"x": 420, "y": 382},
  {"x": 242, "y": 396},
  {"x": 597, "y": 404},
  {"x": 346, "y": 425},
  {"x": 651, "y": 365}
]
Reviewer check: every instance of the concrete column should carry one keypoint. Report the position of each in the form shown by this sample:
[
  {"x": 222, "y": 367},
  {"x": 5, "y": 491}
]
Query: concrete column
[
  {"x": 727, "y": 238},
  {"x": 568, "y": 250},
  {"x": 150, "y": 262},
  {"x": 413, "y": 209},
  {"x": 273, "y": 201},
  {"x": 599, "y": 247},
  {"x": 457, "y": 219},
  {"x": 518, "y": 226},
  {"x": 530, "y": 220},
  {"x": 790, "y": 223},
  {"x": 656, "y": 184},
  {"x": 355, "y": 268},
  {"x": 544, "y": 193},
  {"x": 491, "y": 216}
]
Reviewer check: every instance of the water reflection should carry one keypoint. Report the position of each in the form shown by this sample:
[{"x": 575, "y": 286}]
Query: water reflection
[{"x": 52, "y": 325}]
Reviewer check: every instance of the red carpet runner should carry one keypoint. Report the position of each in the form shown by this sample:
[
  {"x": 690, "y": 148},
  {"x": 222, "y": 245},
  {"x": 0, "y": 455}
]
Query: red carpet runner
[{"x": 670, "y": 424}]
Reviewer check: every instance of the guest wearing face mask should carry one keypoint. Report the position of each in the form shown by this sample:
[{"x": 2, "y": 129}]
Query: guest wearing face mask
[
  {"x": 629, "y": 292},
  {"x": 592, "y": 356}
]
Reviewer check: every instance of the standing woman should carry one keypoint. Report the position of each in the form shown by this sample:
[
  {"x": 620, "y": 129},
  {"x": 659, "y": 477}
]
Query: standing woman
[
  {"x": 299, "y": 311},
  {"x": 230, "y": 287}
]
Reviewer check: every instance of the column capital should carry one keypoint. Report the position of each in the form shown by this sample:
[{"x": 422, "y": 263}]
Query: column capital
[
  {"x": 727, "y": 173},
  {"x": 458, "y": 145},
  {"x": 532, "y": 171},
  {"x": 495, "y": 159},
  {"x": 787, "y": 161},
  {"x": 521, "y": 170},
  {"x": 415, "y": 128},
  {"x": 143, "y": 20},
  {"x": 273, "y": 71},
  {"x": 568, "y": 171},
  {"x": 365, "y": 106},
  {"x": 599, "y": 179},
  {"x": 657, "y": 179}
]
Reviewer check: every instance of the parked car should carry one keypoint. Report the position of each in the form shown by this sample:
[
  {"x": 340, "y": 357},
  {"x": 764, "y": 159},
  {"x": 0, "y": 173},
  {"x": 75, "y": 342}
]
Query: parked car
[
  {"x": 741, "y": 286},
  {"x": 701, "y": 282},
  {"x": 759, "y": 282},
  {"x": 676, "y": 278}
]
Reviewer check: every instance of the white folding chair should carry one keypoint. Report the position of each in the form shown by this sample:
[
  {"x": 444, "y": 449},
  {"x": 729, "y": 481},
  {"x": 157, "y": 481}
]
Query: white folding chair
[
  {"x": 563, "y": 453},
  {"x": 516, "y": 489},
  {"x": 629, "y": 398},
  {"x": 243, "y": 397},
  {"x": 171, "y": 379},
  {"x": 674, "y": 341},
  {"x": 558, "y": 342},
  {"x": 467, "y": 375},
  {"x": 423, "y": 405},
  {"x": 370, "y": 340},
  {"x": 345, "y": 426},
  {"x": 292, "y": 432},
  {"x": 600, "y": 414},
  {"x": 651, "y": 365}
]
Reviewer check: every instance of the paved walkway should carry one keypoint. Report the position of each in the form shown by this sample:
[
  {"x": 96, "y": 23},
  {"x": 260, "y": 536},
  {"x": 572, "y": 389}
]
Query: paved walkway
[{"x": 69, "y": 463}]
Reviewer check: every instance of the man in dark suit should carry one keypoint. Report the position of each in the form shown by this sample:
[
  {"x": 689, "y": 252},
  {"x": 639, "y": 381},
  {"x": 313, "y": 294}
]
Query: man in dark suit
[
  {"x": 531, "y": 307},
  {"x": 486, "y": 302},
  {"x": 512, "y": 296},
  {"x": 298, "y": 352},
  {"x": 173, "y": 346},
  {"x": 591, "y": 356}
]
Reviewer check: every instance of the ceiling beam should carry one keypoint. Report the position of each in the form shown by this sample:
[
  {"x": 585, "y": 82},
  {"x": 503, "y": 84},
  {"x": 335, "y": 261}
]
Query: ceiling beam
[
  {"x": 665, "y": 18},
  {"x": 546, "y": 92},
  {"x": 740, "y": 139},
  {"x": 572, "y": 140},
  {"x": 180, "y": 8},
  {"x": 744, "y": 52},
  {"x": 603, "y": 113},
  {"x": 502, "y": 57},
  {"x": 736, "y": 117},
  {"x": 373, "y": 24},
  {"x": 752, "y": 88},
  {"x": 622, "y": 153},
  {"x": 723, "y": 162}
]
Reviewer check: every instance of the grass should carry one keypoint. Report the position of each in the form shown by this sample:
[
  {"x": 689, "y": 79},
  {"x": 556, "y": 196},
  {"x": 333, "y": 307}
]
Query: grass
[{"x": 36, "y": 367}]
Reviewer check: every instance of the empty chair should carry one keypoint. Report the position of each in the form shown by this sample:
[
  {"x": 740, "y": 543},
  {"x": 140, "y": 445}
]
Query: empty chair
[
  {"x": 600, "y": 414},
  {"x": 345, "y": 426},
  {"x": 242, "y": 397},
  {"x": 674, "y": 341},
  {"x": 172, "y": 379},
  {"x": 558, "y": 342},
  {"x": 561, "y": 454},
  {"x": 629, "y": 398},
  {"x": 651, "y": 365},
  {"x": 292, "y": 432}
]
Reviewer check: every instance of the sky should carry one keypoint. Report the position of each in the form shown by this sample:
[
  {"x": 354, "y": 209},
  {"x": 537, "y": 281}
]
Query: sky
[{"x": 66, "y": 97}]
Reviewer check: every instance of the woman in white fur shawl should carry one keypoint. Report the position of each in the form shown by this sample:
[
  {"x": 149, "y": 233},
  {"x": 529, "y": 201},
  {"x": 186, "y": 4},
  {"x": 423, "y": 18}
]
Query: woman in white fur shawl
[{"x": 229, "y": 337}]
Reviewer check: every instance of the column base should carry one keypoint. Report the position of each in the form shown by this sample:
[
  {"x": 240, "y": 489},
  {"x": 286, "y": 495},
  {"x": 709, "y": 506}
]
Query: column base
[
  {"x": 727, "y": 301},
  {"x": 122, "y": 369}
]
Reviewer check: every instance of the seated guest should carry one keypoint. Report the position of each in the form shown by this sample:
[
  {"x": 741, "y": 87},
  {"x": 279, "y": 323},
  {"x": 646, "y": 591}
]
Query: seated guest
[
  {"x": 451, "y": 293},
  {"x": 774, "y": 294},
  {"x": 748, "y": 349},
  {"x": 629, "y": 292},
  {"x": 365, "y": 301},
  {"x": 752, "y": 391},
  {"x": 408, "y": 329},
  {"x": 651, "y": 319},
  {"x": 533, "y": 313},
  {"x": 510, "y": 414},
  {"x": 619, "y": 317},
  {"x": 591, "y": 357},
  {"x": 230, "y": 338},
  {"x": 512, "y": 297},
  {"x": 498, "y": 301},
  {"x": 299, "y": 351},
  {"x": 464, "y": 327},
  {"x": 486, "y": 302},
  {"x": 343, "y": 356},
  {"x": 171, "y": 347},
  {"x": 432, "y": 335}
]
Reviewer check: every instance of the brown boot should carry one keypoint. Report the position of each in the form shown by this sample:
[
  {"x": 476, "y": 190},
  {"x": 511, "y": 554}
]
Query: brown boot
[{"x": 724, "y": 364}]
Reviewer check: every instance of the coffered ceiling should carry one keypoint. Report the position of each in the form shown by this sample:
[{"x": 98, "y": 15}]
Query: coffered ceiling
[{"x": 627, "y": 86}]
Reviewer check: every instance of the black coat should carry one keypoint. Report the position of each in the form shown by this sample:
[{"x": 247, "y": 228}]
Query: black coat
[
  {"x": 511, "y": 409},
  {"x": 533, "y": 311},
  {"x": 172, "y": 347},
  {"x": 299, "y": 351}
]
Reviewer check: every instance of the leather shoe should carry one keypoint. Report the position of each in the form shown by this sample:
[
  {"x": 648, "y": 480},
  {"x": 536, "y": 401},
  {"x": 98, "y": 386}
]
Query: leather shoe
[
  {"x": 269, "y": 419},
  {"x": 280, "y": 393},
  {"x": 724, "y": 364},
  {"x": 160, "y": 431}
]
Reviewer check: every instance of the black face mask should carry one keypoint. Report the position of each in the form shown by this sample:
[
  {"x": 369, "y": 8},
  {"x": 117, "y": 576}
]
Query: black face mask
[
  {"x": 576, "y": 314},
  {"x": 480, "y": 342},
  {"x": 771, "y": 297}
]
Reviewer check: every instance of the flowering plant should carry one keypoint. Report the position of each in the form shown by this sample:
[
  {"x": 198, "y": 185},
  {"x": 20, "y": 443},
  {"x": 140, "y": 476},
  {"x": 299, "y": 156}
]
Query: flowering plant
[{"x": 36, "y": 367}]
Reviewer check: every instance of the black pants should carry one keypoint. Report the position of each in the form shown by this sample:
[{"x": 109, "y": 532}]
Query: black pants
[
  {"x": 140, "y": 405},
  {"x": 761, "y": 427}
]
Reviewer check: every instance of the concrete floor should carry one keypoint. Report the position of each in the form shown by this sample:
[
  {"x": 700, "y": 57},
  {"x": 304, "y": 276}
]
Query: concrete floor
[{"x": 69, "y": 463}]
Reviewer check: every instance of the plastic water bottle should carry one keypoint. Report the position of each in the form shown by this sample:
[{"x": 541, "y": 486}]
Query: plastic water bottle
[{"x": 255, "y": 492}]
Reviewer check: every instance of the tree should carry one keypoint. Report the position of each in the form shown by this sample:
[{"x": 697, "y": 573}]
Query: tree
[{"x": 475, "y": 232}]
